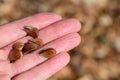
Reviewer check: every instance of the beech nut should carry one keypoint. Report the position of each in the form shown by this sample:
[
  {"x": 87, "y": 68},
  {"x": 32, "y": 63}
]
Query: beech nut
[
  {"x": 31, "y": 31},
  {"x": 18, "y": 45},
  {"x": 37, "y": 41},
  {"x": 29, "y": 47},
  {"x": 48, "y": 53},
  {"x": 32, "y": 45},
  {"x": 16, "y": 53}
]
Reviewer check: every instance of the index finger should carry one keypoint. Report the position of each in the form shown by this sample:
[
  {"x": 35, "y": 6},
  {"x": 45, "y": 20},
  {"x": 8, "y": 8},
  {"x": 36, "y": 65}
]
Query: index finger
[{"x": 14, "y": 30}]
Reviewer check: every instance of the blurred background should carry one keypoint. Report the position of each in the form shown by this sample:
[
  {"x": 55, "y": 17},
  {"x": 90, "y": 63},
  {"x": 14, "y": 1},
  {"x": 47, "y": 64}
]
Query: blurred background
[{"x": 98, "y": 55}]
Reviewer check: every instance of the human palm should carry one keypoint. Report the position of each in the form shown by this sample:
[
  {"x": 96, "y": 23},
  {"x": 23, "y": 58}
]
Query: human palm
[{"x": 55, "y": 33}]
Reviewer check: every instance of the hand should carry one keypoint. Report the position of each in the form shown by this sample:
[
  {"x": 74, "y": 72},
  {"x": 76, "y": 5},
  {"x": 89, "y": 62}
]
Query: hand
[{"x": 55, "y": 33}]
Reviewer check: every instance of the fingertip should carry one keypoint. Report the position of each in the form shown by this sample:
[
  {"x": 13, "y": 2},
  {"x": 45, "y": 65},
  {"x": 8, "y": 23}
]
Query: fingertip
[
  {"x": 67, "y": 56},
  {"x": 74, "y": 39},
  {"x": 64, "y": 57},
  {"x": 76, "y": 23},
  {"x": 78, "y": 39}
]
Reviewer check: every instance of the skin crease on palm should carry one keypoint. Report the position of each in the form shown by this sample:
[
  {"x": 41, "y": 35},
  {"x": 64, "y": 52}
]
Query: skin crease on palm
[{"x": 53, "y": 30}]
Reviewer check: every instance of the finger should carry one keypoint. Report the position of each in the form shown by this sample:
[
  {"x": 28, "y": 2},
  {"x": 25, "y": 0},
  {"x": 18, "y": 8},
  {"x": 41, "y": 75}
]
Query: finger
[
  {"x": 62, "y": 44},
  {"x": 2, "y": 55},
  {"x": 46, "y": 69},
  {"x": 5, "y": 70},
  {"x": 53, "y": 31},
  {"x": 4, "y": 77},
  {"x": 59, "y": 29},
  {"x": 13, "y": 31}
]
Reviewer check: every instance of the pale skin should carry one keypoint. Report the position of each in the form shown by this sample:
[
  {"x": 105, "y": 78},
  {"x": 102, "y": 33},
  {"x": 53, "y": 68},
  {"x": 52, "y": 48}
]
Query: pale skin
[{"x": 53, "y": 30}]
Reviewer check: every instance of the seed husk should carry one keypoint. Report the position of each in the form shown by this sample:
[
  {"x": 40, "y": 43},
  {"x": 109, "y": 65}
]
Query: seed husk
[
  {"x": 32, "y": 45},
  {"x": 37, "y": 41},
  {"x": 48, "y": 53},
  {"x": 31, "y": 31},
  {"x": 18, "y": 45},
  {"x": 16, "y": 53},
  {"x": 29, "y": 47}
]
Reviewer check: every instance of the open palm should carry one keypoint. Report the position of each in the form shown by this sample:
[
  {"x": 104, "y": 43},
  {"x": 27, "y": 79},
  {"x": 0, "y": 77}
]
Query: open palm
[{"x": 55, "y": 33}]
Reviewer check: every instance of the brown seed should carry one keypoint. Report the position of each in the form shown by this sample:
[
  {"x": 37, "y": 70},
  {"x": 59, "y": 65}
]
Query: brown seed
[
  {"x": 29, "y": 47},
  {"x": 32, "y": 45},
  {"x": 31, "y": 31},
  {"x": 48, "y": 53},
  {"x": 37, "y": 41},
  {"x": 18, "y": 45},
  {"x": 14, "y": 55}
]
